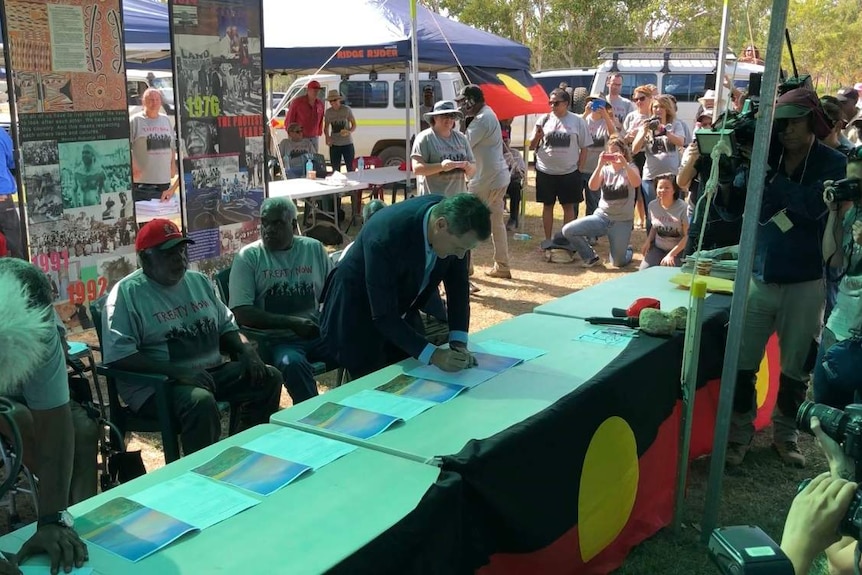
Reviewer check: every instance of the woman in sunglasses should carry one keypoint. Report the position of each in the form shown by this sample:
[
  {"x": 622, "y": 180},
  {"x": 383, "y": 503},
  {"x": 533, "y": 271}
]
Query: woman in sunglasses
[
  {"x": 642, "y": 98},
  {"x": 441, "y": 156},
  {"x": 560, "y": 139}
]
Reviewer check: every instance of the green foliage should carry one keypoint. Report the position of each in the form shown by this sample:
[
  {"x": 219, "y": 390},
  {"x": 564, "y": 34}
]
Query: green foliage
[{"x": 568, "y": 33}]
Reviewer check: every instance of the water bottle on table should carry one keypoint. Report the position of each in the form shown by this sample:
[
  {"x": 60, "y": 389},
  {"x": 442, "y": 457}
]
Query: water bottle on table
[
  {"x": 310, "y": 173},
  {"x": 360, "y": 164}
]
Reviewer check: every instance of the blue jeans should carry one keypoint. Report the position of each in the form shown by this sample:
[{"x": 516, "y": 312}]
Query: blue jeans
[
  {"x": 293, "y": 359},
  {"x": 619, "y": 234},
  {"x": 590, "y": 197},
  {"x": 648, "y": 190},
  {"x": 823, "y": 392}
]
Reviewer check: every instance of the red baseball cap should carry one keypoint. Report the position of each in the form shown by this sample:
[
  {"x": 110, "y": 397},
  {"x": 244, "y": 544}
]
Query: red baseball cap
[
  {"x": 313, "y": 85},
  {"x": 160, "y": 233}
]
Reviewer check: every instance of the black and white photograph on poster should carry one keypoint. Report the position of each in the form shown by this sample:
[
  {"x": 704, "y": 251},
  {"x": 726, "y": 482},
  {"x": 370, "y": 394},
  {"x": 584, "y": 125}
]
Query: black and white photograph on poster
[
  {"x": 40, "y": 153},
  {"x": 218, "y": 193},
  {"x": 44, "y": 197},
  {"x": 117, "y": 267},
  {"x": 255, "y": 161},
  {"x": 79, "y": 235},
  {"x": 111, "y": 206},
  {"x": 200, "y": 138},
  {"x": 185, "y": 16},
  {"x": 90, "y": 169},
  {"x": 242, "y": 94}
]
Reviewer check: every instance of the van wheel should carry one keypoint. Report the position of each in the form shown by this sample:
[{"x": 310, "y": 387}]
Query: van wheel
[
  {"x": 392, "y": 156},
  {"x": 579, "y": 100}
]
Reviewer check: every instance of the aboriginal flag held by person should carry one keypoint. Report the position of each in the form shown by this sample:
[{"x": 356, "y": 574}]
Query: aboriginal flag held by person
[{"x": 509, "y": 93}]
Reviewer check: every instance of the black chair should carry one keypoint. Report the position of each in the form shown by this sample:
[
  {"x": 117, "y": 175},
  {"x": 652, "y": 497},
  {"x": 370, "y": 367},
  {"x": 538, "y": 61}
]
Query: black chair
[
  {"x": 262, "y": 337},
  {"x": 126, "y": 420}
]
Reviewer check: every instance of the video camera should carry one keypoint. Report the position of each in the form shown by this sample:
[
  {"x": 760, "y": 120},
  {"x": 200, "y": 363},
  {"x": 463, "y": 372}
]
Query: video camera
[{"x": 745, "y": 549}]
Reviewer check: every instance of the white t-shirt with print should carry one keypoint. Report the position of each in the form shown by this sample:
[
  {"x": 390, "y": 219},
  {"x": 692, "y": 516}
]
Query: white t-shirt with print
[
  {"x": 152, "y": 147},
  {"x": 667, "y": 223},
  {"x": 560, "y": 148},
  {"x": 431, "y": 148}
]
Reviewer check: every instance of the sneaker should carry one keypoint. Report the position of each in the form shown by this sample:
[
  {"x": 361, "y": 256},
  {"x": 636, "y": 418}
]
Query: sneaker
[
  {"x": 593, "y": 262},
  {"x": 496, "y": 272},
  {"x": 789, "y": 453},
  {"x": 736, "y": 453},
  {"x": 474, "y": 288}
]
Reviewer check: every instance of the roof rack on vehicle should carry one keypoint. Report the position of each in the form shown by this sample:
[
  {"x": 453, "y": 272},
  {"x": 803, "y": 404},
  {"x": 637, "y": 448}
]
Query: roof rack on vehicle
[{"x": 665, "y": 53}]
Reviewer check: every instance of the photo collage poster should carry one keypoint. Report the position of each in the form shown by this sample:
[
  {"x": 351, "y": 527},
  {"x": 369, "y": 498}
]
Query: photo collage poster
[
  {"x": 218, "y": 71},
  {"x": 70, "y": 87}
]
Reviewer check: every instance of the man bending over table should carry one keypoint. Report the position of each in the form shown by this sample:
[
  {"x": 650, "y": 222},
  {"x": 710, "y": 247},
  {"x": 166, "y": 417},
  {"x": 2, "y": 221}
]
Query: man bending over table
[
  {"x": 372, "y": 299},
  {"x": 166, "y": 320},
  {"x": 275, "y": 285}
]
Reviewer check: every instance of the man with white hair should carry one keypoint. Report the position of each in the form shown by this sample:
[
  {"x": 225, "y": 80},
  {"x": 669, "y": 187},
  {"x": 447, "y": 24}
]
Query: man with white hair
[
  {"x": 154, "y": 169},
  {"x": 275, "y": 285}
]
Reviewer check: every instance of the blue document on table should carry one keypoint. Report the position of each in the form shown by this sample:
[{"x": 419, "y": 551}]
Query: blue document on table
[
  {"x": 299, "y": 446},
  {"x": 256, "y": 472},
  {"x": 426, "y": 389},
  {"x": 488, "y": 366},
  {"x": 610, "y": 336},
  {"x": 129, "y": 529},
  {"x": 194, "y": 500},
  {"x": 358, "y": 423},
  {"x": 506, "y": 349},
  {"x": 388, "y": 403}
]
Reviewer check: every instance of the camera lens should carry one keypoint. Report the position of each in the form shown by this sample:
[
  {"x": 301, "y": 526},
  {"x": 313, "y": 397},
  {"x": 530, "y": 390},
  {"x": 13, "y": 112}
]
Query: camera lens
[{"x": 832, "y": 421}]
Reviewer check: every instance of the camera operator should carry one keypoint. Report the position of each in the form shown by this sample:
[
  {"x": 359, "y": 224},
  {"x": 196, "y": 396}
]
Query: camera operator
[
  {"x": 786, "y": 294},
  {"x": 842, "y": 255}
]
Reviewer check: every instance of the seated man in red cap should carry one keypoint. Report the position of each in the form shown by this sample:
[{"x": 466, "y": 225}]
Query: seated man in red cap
[
  {"x": 308, "y": 113},
  {"x": 166, "y": 320}
]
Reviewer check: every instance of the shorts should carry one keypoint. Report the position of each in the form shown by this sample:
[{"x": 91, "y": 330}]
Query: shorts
[{"x": 565, "y": 188}]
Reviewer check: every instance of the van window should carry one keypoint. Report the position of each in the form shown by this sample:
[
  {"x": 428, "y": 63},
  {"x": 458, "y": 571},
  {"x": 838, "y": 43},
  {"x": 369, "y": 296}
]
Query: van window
[
  {"x": 365, "y": 93},
  {"x": 632, "y": 81},
  {"x": 398, "y": 92},
  {"x": 550, "y": 83},
  {"x": 684, "y": 87}
]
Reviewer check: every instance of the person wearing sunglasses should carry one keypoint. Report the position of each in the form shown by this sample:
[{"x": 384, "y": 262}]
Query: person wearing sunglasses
[
  {"x": 294, "y": 146},
  {"x": 560, "y": 140},
  {"x": 642, "y": 98},
  {"x": 442, "y": 157}
]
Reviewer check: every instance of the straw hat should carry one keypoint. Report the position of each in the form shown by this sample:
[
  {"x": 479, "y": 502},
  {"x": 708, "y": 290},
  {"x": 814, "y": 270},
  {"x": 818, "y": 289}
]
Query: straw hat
[{"x": 333, "y": 95}]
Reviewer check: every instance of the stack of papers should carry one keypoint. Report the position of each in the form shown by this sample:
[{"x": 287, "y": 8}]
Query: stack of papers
[{"x": 157, "y": 208}]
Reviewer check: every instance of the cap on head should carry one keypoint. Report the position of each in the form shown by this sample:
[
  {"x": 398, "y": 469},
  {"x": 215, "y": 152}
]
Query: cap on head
[
  {"x": 472, "y": 92},
  {"x": 847, "y": 94},
  {"x": 159, "y": 233},
  {"x": 800, "y": 102},
  {"x": 313, "y": 85}
]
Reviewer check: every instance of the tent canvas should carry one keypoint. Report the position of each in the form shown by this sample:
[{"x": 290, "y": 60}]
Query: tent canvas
[{"x": 376, "y": 34}]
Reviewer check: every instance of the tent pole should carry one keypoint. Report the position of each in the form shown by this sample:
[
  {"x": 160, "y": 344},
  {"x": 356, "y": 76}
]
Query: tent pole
[
  {"x": 414, "y": 55},
  {"x": 718, "y": 107},
  {"x": 750, "y": 222}
]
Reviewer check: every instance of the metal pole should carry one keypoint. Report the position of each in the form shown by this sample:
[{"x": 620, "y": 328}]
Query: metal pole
[
  {"x": 718, "y": 107},
  {"x": 691, "y": 354},
  {"x": 750, "y": 221},
  {"x": 414, "y": 55}
]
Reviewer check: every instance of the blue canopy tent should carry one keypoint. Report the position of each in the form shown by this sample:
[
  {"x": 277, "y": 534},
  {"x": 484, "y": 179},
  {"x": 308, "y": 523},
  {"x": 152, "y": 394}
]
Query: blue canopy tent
[
  {"x": 145, "y": 23},
  {"x": 376, "y": 34}
]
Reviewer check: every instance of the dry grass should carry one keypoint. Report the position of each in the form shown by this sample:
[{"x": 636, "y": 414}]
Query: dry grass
[{"x": 759, "y": 493}]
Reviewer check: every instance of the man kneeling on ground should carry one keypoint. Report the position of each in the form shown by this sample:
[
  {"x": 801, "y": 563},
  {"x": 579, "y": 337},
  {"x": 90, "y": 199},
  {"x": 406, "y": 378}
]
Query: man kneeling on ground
[
  {"x": 166, "y": 320},
  {"x": 275, "y": 285}
]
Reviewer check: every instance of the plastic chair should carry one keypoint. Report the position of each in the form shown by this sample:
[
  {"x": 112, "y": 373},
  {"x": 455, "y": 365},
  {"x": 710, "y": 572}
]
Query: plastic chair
[
  {"x": 126, "y": 420},
  {"x": 262, "y": 337}
]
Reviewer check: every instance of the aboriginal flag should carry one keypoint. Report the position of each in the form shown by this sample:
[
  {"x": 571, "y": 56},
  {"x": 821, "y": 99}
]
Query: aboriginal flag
[{"x": 510, "y": 93}]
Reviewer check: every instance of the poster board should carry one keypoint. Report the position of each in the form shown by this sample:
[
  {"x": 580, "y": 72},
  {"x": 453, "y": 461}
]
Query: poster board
[
  {"x": 68, "y": 72},
  {"x": 218, "y": 71}
]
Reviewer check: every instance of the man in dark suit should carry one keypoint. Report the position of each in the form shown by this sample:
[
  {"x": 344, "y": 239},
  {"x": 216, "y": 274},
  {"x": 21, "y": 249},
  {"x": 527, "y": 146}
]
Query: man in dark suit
[{"x": 372, "y": 299}]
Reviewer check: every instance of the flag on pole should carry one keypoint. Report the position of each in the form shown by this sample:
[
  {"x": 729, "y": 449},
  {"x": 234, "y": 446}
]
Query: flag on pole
[{"x": 510, "y": 93}]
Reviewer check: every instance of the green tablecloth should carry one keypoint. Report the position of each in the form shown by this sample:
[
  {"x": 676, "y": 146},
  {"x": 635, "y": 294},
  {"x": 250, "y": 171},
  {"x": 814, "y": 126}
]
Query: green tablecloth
[{"x": 359, "y": 514}]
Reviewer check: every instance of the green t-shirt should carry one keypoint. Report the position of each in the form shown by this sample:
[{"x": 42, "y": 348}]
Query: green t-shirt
[
  {"x": 287, "y": 282},
  {"x": 181, "y": 324}
]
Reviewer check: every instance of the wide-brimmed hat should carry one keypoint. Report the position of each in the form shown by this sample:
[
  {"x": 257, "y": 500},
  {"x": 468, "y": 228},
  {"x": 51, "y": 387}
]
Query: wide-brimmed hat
[
  {"x": 708, "y": 95},
  {"x": 800, "y": 102},
  {"x": 160, "y": 233},
  {"x": 705, "y": 112},
  {"x": 444, "y": 107},
  {"x": 333, "y": 95}
]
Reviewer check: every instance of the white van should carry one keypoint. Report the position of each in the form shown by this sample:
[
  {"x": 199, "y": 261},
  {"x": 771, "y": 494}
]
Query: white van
[
  {"x": 378, "y": 106},
  {"x": 686, "y": 73},
  {"x": 139, "y": 80}
]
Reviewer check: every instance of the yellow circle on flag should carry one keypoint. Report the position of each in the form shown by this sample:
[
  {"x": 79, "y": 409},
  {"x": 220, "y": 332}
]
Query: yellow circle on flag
[
  {"x": 515, "y": 87},
  {"x": 762, "y": 382},
  {"x": 609, "y": 486}
]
